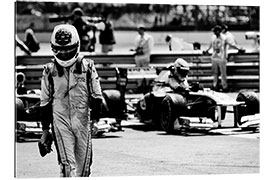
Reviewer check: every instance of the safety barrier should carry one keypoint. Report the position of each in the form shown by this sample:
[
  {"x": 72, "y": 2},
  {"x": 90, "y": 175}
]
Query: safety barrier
[
  {"x": 128, "y": 58},
  {"x": 242, "y": 69}
]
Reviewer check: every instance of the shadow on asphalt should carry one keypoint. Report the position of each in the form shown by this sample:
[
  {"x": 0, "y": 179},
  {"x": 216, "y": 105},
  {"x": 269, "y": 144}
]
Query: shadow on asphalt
[
  {"x": 223, "y": 131},
  {"x": 219, "y": 132},
  {"x": 142, "y": 127},
  {"x": 35, "y": 138},
  {"x": 105, "y": 136}
]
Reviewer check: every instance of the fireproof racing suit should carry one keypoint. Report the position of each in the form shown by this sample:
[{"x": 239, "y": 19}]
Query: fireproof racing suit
[{"x": 67, "y": 91}]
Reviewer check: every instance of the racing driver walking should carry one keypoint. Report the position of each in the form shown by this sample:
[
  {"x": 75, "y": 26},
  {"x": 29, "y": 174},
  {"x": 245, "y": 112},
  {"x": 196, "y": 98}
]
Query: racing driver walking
[{"x": 67, "y": 84}]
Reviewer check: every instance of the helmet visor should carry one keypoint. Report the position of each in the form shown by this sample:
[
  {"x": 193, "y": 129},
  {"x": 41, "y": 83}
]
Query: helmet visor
[
  {"x": 182, "y": 72},
  {"x": 56, "y": 48},
  {"x": 65, "y": 53}
]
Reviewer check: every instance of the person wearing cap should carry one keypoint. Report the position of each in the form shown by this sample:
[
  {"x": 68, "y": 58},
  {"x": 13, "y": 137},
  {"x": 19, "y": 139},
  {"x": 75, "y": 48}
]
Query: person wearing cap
[
  {"x": 219, "y": 43},
  {"x": 144, "y": 44}
]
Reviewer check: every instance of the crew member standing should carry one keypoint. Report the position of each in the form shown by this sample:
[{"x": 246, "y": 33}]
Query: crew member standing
[
  {"x": 144, "y": 43},
  {"x": 106, "y": 36},
  {"x": 219, "y": 43},
  {"x": 82, "y": 29},
  {"x": 67, "y": 84}
]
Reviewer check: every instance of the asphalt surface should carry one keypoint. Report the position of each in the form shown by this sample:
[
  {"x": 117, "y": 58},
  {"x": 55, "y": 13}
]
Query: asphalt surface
[{"x": 139, "y": 150}]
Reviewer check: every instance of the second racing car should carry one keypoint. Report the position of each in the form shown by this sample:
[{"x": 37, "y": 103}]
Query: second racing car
[{"x": 199, "y": 108}]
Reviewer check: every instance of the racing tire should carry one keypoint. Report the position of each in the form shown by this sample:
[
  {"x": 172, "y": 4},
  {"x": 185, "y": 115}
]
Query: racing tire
[
  {"x": 168, "y": 116},
  {"x": 20, "y": 110},
  {"x": 144, "y": 109},
  {"x": 251, "y": 106},
  {"x": 114, "y": 105},
  {"x": 20, "y": 115}
]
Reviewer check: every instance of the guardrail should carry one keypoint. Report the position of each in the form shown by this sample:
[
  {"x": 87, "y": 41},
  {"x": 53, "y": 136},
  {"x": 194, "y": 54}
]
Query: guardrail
[
  {"x": 156, "y": 58},
  {"x": 242, "y": 69}
]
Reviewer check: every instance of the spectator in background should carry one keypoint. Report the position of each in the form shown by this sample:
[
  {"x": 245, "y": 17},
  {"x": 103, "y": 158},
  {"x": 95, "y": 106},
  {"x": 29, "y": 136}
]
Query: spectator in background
[
  {"x": 177, "y": 44},
  {"x": 30, "y": 39},
  {"x": 144, "y": 43},
  {"x": 219, "y": 44},
  {"x": 86, "y": 27},
  {"x": 81, "y": 27},
  {"x": 106, "y": 36},
  {"x": 173, "y": 43}
]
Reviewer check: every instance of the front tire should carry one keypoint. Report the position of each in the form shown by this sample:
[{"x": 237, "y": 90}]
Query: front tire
[
  {"x": 168, "y": 117},
  {"x": 251, "y": 106}
]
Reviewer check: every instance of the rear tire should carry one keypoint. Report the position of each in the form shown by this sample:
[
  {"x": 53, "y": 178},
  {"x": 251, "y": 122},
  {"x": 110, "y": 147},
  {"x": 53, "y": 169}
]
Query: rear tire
[
  {"x": 20, "y": 110},
  {"x": 115, "y": 104}
]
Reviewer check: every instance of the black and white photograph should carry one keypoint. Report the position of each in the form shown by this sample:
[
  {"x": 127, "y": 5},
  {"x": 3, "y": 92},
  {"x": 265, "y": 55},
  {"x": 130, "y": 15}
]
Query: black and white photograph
[{"x": 132, "y": 89}]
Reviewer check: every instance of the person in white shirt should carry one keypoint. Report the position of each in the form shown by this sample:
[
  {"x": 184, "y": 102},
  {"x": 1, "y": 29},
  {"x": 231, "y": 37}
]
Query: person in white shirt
[
  {"x": 230, "y": 37},
  {"x": 144, "y": 44},
  {"x": 177, "y": 44},
  {"x": 219, "y": 43}
]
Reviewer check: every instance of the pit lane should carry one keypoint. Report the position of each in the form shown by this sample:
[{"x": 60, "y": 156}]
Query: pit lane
[{"x": 139, "y": 150}]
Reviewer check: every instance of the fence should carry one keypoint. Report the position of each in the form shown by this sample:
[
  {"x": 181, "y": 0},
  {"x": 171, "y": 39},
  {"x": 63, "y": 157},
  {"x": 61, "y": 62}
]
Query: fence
[{"x": 242, "y": 69}]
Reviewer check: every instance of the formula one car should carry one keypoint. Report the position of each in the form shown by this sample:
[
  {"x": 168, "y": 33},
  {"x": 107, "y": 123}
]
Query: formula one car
[
  {"x": 28, "y": 122},
  {"x": 202, "y": 109}
]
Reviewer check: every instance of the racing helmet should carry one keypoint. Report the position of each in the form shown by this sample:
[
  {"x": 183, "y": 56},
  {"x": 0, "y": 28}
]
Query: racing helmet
[
  {"x": 181, "y": 67},
  {"x": 65, "y": 44}
]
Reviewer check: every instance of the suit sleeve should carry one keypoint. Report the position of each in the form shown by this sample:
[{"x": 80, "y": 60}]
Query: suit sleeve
[
  {"x": 46, "y": 114},
  {"x": 96, "y": 93},
  {"x": 95, "y": 83}
]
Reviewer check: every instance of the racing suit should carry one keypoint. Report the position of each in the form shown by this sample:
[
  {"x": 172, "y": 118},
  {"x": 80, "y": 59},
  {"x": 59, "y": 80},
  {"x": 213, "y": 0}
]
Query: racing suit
[
  {"x": 179, "y": 85},
  {"x": 67, "y": 91}
]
